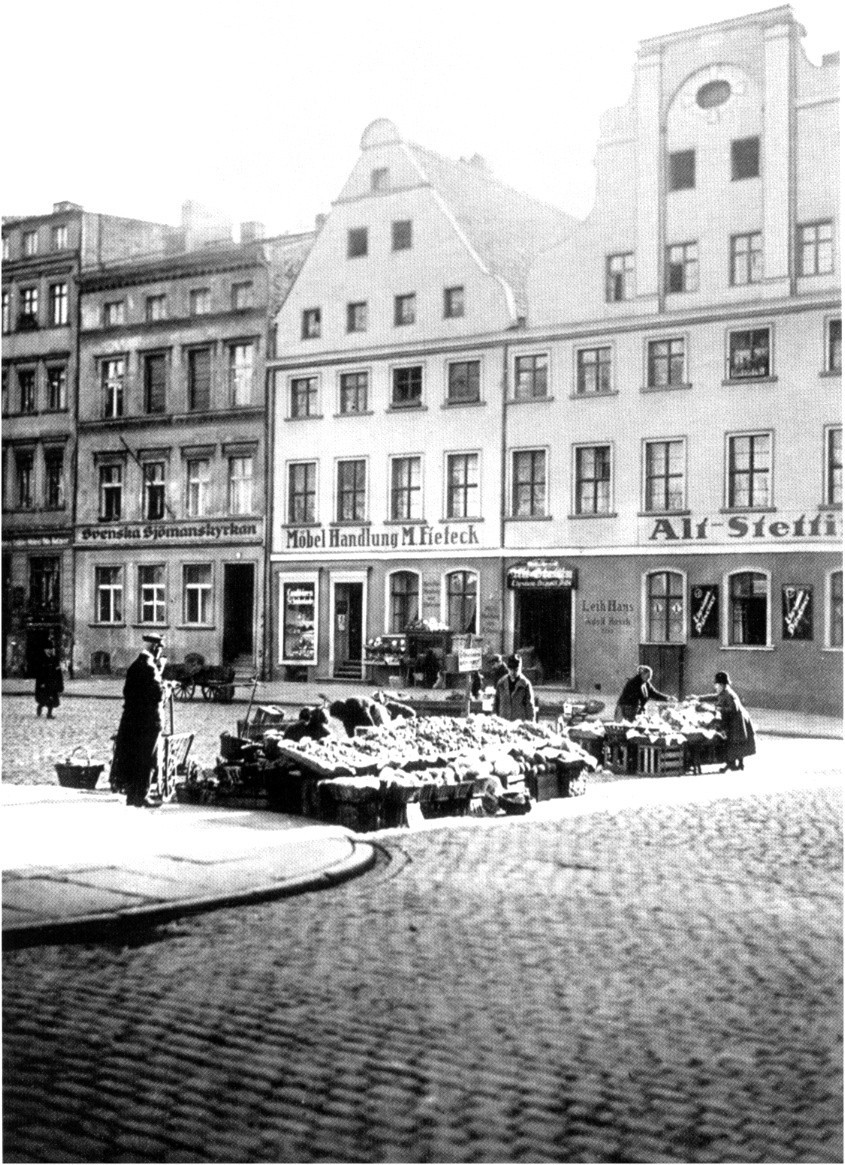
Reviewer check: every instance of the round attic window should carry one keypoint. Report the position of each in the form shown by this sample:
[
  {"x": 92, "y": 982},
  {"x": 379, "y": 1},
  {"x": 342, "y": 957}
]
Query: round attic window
[{"x": 712, "y": 94}]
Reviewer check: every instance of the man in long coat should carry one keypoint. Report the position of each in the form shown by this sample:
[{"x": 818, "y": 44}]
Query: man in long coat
[
  {"x": 135, "y": 750},
  {"x": 514, "y": 699}
]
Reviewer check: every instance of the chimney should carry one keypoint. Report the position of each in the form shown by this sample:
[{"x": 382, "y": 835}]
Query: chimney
[
  {"x": 203, "y": 225},
  {"x": 252, "y": 231}
]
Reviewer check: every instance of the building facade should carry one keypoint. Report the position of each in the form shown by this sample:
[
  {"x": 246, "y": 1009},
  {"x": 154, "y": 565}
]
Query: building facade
[
  {"x": 42, "y": 256},
  {"x": 170, "y": 527},
  {"x": 387, "y": 406}
]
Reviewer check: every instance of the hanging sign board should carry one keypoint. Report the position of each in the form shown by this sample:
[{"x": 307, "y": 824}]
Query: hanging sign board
[{"x": 469, "y": 659}]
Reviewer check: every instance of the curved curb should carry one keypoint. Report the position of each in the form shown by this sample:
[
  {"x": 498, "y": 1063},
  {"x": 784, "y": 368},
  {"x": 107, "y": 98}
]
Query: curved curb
[{"x": 116, "y": 924}]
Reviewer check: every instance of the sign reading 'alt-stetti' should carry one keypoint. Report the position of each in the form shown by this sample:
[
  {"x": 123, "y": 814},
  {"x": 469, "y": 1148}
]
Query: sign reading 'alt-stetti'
[{"x": 746, "y": 527}]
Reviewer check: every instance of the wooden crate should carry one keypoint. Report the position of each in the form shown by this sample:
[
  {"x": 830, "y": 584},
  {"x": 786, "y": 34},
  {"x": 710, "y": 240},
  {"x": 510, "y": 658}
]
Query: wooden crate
[
  {"x": 545, "y": 785},
  {"x": 660, "y": 760},
  {"x": 619, "y": 757}
]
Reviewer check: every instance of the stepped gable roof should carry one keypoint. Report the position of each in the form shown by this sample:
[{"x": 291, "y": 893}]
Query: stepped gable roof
[{"x": 507, "y": 228}]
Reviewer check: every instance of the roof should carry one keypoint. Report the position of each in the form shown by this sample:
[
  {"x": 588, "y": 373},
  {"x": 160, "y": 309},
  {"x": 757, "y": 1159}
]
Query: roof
[
  {"x": 286, "y": 254},
  {"x": 507, "y": 228}
]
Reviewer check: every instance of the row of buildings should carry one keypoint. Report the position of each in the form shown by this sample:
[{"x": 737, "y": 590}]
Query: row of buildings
[{"x": 605, "y": 440}]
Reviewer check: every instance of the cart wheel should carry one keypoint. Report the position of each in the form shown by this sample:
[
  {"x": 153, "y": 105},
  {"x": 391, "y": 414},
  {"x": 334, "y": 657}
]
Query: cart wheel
[
  {"x": 185, "y": 690},
  {"x": 207, "y": 692}
]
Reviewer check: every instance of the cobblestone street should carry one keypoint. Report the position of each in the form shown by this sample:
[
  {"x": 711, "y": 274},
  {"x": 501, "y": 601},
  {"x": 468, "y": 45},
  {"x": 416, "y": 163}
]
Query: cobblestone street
[{"x": 632, "y": 984}]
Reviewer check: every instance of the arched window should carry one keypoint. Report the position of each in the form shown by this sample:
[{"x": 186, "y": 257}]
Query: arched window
[
  {"x": 462, "y": 601},
  {"x": 834, "y": 614},
  {"x": 665, "y": 607},
  {"x": 748, "y": 609},
  {"x": 404, "y": 599}
]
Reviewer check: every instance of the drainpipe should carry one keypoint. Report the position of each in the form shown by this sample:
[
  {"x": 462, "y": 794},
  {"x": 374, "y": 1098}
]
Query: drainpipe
[
  {"x": 503, "y": 496},
  {"x": 73, "y": 483},
  {"x": 269, "y": 516}
]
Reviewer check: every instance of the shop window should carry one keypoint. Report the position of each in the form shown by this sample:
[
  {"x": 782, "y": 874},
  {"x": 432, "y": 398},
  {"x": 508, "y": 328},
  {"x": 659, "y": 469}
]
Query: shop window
[
  {"x": 833, "y": 466},
  {"x": 407, "y": 387},
  {"x": 746, "y": 259},
  {"x": 156, "y": 308},
  {"x": 196, "y": 596},
  {"x": 529, "y": 483},
  {"x": 665, "y": 599},
  {"x": 351, "y": 490},
  {"x": 750, "y": 471},
  {"x": 153, "y": 476},
  {"x": 56, "y": 389},
  {"x": 592, "y": 479},
  {"x": 113, "y": 376},
  {"x": 311, "y": 323},
  {"x": 531, "y": 377},
  {"x": 815, "y": 248},
  {"x": 619, "y": 277},
  {"x": 464, "y": 382},
  {"x": 199, "y": 380},
  {"x": 402, "y": 235},
  {"x": 241, "y": 500},
  {"x": 197, "y": 495},
  {"x": 302, "y": 493},
  {"x": 682, "y": 267},
  {"x": 58, "y": 304},
  {"x": 26, "y": 386},
  {"x": 681, "y": 174},
  {"x": 462, "y": 601},
  {"x": 109, "y": 592},
  {"x": 199, "y": 301},
  {"x": 835, "y": 609},
  {"x": 749, "y": 354},
  {"x": 405, "y": 309},
  {"x": 241, "y": 374},
  {"x": 462, "y": 485},
  {"x": 353, "y": 392},
  {"x": 25, "y": 478},
  {"x": 748, "y": 610},
  {"x": 54, "y": 479},
  {"x": 155, "y": 382},
  {"x": 833, "y": 346},
  {"x": 356, "y": 242},
  {"x": 356, "y": 317},
  {"x": 404, "y": 600},
  {"x": 405, "y": 488},
  {"x": 592, "y": 368},
  {"x": 114, "y": 313},
  {"x": 152, "y": 606},
  {"x": 111, "y": 492},
  {"x": 745, "y": 158},
  {"x": 664, "y": 476},
  {"x": 299, "y": 622},
  {"x": 453, "y": 303},
  {"x": 667, "y": 363},
  {"x": 303, "y": 397}
]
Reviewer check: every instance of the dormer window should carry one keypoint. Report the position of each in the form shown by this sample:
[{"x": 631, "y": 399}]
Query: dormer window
[
  {"x": 311, "y": 323},
  {"x": 380, "y": 179}
]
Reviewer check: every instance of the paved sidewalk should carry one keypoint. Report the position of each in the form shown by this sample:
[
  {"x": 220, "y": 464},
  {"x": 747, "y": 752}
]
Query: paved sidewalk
[
  {"x": 770, "y": 721},
  {"x": 74, "y": 862}
]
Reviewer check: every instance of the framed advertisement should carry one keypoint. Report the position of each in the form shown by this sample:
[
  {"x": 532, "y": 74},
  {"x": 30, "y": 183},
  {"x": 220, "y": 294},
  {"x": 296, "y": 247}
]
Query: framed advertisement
[
  {"x": 704, "y": 611},
  {"x": 797, "y": 612}
]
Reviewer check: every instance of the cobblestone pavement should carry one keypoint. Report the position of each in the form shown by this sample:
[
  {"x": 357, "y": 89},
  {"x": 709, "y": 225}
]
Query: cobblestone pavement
[{"x": 640, "y": 984}]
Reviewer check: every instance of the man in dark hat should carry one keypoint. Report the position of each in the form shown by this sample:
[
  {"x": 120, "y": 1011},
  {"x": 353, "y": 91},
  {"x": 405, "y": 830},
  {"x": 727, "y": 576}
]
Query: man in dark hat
[
  {"x": 514, "y": 699},
  {"x": 136, "y": 745}
]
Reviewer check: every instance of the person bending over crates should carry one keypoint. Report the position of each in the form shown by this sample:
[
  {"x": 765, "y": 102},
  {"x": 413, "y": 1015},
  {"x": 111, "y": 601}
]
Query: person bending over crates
[
  {"x": 637, "y": 693},
  {"x": 136, "y": 744}
]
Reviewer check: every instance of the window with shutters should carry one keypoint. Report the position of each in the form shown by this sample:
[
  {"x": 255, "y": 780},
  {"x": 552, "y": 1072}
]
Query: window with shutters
[
  {"x": 199, "y": 379},
  {"x": 155, "y": 382}
]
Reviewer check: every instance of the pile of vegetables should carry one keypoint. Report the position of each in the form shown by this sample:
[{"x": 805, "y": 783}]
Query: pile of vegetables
[{"x": 684, "y": 722}]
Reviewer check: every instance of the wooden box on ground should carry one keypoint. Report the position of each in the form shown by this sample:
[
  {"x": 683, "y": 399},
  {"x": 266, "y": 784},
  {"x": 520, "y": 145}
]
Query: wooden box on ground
[
  {"x": 660, "y": 760},
  {"x": 620, "y": 757}
]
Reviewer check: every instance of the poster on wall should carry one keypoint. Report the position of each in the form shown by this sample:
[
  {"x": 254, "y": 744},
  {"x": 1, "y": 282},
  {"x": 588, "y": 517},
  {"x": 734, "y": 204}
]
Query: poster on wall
[
  {"x": 298, "y": 607},
  {"x": 704, "y": 612},
  {"x": 797, "y": 612}
]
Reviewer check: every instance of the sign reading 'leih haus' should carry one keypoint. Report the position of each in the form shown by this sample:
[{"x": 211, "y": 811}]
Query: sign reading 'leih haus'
[{"x": 170, "y": 532}]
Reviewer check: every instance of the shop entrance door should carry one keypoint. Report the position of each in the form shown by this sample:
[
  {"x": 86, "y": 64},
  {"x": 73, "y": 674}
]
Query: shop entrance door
[
  {"x": 544, "y": 622},
  {"x": 348, "y": 629},
  {"x": 238, "y": 611}
]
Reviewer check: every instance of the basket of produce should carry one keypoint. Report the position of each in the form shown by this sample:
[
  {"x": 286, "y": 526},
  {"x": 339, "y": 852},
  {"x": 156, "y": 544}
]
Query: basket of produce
[{"x": 73, "y": 775}]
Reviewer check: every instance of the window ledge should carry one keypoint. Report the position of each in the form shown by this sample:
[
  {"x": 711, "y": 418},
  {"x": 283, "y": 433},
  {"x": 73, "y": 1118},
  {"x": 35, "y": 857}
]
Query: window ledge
[
  {"x": 748, "y": 510},
  {"x": 580, "y": 517},
  {"x": 731, "y": 380},
  {"x": 413, "y": 408},
  {"x": 195, "y": 627},
  {"x": 149, "y": 626},
  {"x": 665, "y": 387},
  {"x": 528, "y": 518},
  {"x": 594, "y": 395},
  {"x": 528, "y": 400},
  {"x": 310, "y": 417},
  {"x": 456, "y": 404},
  {"x": 831, "y": 374},
  {"x": 347, "y": 522},
  {"x": 404, "y": 522},
  {"x": 117, "y": 625},
  {"x": 360, "y": 413},
  {"x": 664, "y": 513},
  {"x": 301, "y": 525},
  {"x": 55, "y": 412},
  {"x": 747, "y": 647},
  {"x": 450, "y": 521},
  {"x": 833, "y": 650}
]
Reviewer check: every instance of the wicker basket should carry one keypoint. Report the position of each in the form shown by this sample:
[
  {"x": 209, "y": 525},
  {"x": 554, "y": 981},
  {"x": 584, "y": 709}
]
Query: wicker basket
[{"x": 77, "y": 776}]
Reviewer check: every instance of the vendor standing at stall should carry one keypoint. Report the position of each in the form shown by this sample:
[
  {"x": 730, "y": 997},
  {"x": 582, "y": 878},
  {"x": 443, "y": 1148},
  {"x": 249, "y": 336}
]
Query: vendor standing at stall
[
  {"x": 514, "y": 699},
  {"x": 637, "y": 693},
  {"x": 735, "y": 723},
  {"x": 136, "y": 745}
]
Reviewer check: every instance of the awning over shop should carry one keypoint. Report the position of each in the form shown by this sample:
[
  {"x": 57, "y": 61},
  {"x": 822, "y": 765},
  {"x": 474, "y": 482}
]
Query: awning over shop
[{"x": 542, "y": 574}]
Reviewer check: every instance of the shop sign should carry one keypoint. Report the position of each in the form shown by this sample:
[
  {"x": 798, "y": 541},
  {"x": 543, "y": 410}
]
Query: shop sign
[
  {"x": 797, "y": 607},
  {"x": 469, "y": 659},
  {"x": 541, "y": 574},
  {"x": 168, "y": 531},
  {"x": 417, "y": 537},
  {"x": 745, "y": 528},
  {"x": 298, "y": 623},
  {"x": 704, "y": 612}
]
